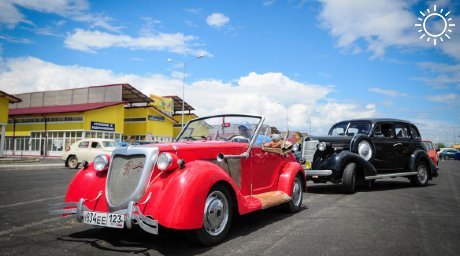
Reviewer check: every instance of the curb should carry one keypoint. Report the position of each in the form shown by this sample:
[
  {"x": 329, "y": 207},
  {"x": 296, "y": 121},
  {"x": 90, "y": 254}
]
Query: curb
[
  {"x": 19, "y": 160},
  {"x": 37, "y": 166}
]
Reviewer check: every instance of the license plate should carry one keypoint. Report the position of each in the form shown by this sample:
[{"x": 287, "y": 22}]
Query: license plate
[{"x": 111, "y": 220}]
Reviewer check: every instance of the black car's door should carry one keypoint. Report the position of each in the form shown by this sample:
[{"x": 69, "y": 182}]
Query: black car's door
[
  {"x": 385, "y": 155},
  {"x": 402, "y": 146}
]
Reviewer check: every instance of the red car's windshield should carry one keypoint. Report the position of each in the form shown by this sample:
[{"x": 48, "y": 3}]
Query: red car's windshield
[{"x": 221, "y": 128}]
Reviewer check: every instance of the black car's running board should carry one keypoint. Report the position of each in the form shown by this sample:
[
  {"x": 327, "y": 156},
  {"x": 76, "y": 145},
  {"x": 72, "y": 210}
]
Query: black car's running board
[{"x": 390, "y": 175}]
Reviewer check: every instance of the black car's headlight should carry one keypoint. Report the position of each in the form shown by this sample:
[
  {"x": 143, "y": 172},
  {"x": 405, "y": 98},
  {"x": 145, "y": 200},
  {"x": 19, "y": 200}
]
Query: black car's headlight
[{"x": 322, "y": 146}]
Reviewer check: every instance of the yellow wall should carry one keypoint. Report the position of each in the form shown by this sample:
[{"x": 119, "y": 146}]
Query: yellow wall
[
  {"x": 156, "y": 128},
  {"x": 187, "y": 117},
  {"x": 160, "y": 128},
  {"x": 114, "y": 115},
  {"x": 135, "y": 128},
  {"x": 23, "y": 129},
  {"x": 178, "y": 118},
  {"x": 3, "y": 110}
]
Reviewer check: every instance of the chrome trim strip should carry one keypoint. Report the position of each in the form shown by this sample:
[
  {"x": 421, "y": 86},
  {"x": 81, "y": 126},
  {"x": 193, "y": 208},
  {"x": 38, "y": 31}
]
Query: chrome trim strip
[
  {"x": 151, "y": 155},
  {"x": 318, "y": 172},
  {"x": 390, "y": 175}
]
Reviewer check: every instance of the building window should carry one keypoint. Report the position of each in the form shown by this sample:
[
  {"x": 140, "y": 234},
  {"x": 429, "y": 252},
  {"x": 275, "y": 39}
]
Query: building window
[
  {"x": 59, "y": 119},
  {"x": 135, "y": 119}
]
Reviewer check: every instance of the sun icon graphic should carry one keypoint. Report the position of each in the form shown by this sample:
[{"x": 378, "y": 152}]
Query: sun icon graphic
[{"x": 430, "y": 16}]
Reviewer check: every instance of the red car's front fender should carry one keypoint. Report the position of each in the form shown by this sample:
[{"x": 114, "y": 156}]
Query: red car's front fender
[
  {"x": 287, "y": 175},
  {"x": 178, "y": 198},
  {"x": 87, "y": 184}
]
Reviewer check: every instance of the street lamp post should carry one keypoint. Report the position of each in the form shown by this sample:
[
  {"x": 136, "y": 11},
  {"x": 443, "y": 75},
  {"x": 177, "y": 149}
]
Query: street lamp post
[{"x": 184, "y": 66}]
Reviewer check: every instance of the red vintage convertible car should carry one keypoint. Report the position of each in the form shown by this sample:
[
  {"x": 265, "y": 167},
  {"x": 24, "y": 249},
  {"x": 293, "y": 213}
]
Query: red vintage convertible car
[{"x": 217, "y": 167}]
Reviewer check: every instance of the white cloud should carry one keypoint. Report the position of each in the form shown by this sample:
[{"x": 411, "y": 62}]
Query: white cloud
[
  {"x": 440, "y": 75},
  {"x": 392, "y": 93},
  {"x": 194, "y": 11},
  {"x": 269, "y": 94},
  {"x": 73, "y": 9},
  {"x": 91, "y": 41},
  {"x": 268, "y": 2},
  {"x": 10, "y": 15},
  {"x": 444, "y": 98},
  {"x": 376, "y": 25},
  {"x": 217, "y": 20},
  {"x": 12, "y": 39}
]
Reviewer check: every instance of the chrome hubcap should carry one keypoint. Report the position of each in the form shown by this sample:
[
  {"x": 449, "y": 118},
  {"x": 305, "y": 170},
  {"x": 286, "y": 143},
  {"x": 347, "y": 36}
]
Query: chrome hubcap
[
  {"x": 297, "y": 192},
  {"x": 422, "y": 174},
  {"x": 216, "y": 213},
  {"x": 73, "y": 161}
]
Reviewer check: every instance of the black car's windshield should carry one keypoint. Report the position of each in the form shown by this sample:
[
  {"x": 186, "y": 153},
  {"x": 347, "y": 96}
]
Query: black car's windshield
[{"x": 350, "y": 128}]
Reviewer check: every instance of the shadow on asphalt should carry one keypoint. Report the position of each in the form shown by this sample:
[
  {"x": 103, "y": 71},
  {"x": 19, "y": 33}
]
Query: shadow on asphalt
[
  {"x": 381, "y": 185},
  {"x": 138, "y": 241}
]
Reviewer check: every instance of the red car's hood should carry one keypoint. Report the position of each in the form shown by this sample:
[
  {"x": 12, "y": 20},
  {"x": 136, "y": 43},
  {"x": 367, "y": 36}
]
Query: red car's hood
[{"x": 194, "y": 150}]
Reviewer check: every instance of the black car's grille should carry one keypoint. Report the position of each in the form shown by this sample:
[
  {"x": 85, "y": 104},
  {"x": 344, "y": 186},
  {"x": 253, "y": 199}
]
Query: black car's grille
[{"x": 309, "y": 149}]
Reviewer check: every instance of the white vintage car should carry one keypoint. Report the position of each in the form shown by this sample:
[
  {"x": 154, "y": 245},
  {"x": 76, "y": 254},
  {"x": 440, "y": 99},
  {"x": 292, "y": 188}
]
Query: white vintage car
[{"x": 87, "y": 150}]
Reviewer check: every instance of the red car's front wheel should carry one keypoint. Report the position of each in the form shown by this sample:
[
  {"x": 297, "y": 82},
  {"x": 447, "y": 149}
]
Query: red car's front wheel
[{"x": 217, "y": 218}]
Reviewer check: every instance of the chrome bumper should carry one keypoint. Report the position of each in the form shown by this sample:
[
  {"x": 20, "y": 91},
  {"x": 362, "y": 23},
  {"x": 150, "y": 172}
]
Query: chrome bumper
[
  {"x": 132, "y": 214},
  {"x": 311, "y": 173}
]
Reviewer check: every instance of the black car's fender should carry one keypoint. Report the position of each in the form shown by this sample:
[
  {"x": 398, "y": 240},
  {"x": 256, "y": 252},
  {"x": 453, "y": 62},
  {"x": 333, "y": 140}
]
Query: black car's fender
[
  {"x": 423, "y": 156},
  {"x": 337, "y": 162}
]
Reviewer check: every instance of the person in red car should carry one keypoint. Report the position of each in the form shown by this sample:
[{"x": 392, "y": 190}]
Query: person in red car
[{"x": 431, "y": 150}]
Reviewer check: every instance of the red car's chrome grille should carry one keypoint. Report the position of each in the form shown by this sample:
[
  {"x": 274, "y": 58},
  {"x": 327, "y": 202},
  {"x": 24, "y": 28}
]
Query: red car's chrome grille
[{"x": 123, "y": 178}]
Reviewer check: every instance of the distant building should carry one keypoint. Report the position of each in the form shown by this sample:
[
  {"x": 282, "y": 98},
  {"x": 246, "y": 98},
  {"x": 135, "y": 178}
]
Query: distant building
[
  {"x": 46, "y": 123},
  {"x": 5, "y": 100},
  {"x": 177, "y": 113}
]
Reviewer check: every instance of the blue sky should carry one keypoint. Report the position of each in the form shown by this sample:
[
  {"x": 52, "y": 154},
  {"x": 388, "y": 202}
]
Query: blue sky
[{"x": 328, "y": 60}]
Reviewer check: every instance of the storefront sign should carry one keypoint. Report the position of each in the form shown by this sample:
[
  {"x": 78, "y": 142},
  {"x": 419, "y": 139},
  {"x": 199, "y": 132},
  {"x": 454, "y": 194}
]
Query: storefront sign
[
  {"x": 97, "y": 126},
  {"x": 156, "y": 118}
]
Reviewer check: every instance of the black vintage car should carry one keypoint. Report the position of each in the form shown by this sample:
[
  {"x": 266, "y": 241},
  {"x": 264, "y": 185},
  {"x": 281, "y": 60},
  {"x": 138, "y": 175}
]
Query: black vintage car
[{"x": 357, "y": 152}]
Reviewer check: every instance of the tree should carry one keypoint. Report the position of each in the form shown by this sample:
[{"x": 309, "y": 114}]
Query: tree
[{"x": 440, "y": 145}]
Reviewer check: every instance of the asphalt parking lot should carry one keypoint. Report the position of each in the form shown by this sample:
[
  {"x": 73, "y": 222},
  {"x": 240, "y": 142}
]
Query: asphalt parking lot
[{"x": 392, "y": 218}]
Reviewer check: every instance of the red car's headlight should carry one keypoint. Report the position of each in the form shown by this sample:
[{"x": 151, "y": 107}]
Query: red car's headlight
[
  {"x": 101, "y": 163},
  {"x": 167, "y": 162}
]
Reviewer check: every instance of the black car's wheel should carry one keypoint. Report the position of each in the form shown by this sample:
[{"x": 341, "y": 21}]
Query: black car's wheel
[
  {"x": 218, "y": 213},
  {"x": 349, "y": 179},
  {"x": 421, "y": 179},
  {"x": 72, "y": 162},
  {"x": 295, "y": 203}
]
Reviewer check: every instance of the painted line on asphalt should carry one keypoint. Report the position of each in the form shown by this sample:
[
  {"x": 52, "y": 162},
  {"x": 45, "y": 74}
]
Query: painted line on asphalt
[
  {"x": 30, "y": 202},
  {"x": 30, "y": 225}
]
